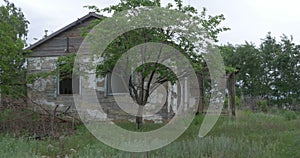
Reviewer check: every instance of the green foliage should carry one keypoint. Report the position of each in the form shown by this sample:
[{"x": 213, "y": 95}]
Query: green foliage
[
  {"x": 129, "y": 4},
  {"x": 64, "y": 66},
  {"x": 263, "y": 105},
  {"x": 290, "y": 115},
  {"x": 153, "y": 72},
  {"x": 6, "y": 115},
  {"x": 281, "y": 64},
  {"x": 238, "y": 102},
  {"x": 244, "y": 57},
  {"x": 270, "y": 71},
  {"x": 13, "y": 32},
  {"x": 15, "y": 148},
  {"x": 248, "y": 112},
  {"x": 35, "y": 76}
]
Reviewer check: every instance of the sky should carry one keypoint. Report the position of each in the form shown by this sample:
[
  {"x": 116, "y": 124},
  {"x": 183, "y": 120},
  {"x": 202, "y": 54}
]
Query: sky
[{"x": 249, "y": 20}]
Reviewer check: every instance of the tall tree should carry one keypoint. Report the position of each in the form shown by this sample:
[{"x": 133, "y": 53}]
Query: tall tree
[
  {"x": 269, "y": 71},
  {"x": 246, "y": 58},
  {"x": 13, "y": 32},
  {"x": 281, "y": 69},
  {"x": 144, "y": 79}
]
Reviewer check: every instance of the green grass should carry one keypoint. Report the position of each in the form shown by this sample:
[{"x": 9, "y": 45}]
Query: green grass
[{"x": 250, "y": 135}]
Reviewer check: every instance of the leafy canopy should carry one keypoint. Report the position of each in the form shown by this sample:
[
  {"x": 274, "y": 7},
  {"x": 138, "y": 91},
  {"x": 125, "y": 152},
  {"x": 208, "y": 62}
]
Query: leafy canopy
[
  {"x": 270, "y": 71},
  {"x": 13, "y": 33},
  {"x": 148, "y": 73}
]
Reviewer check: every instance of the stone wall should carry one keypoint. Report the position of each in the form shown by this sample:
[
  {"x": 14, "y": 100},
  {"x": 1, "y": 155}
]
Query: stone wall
[{"x": 44, "y": 92}]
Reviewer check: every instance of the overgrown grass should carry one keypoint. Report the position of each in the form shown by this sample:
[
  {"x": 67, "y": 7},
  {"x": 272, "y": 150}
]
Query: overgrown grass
[{"x": 249, "y": 135}]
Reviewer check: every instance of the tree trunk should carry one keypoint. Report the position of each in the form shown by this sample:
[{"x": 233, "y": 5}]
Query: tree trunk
[
  {"x": 232, "y": 81},
  {"x": 139, "y": 121},
  {"x": 139, "y": 117},
  {"x": 201, "y": 94}
]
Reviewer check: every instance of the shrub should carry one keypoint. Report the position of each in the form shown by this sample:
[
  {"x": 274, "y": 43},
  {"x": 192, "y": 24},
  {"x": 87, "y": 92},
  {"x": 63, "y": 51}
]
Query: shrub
[
  {"x": 226, "y": 102},
  {"x": 248, "y": 112},
  {"x": 238, "y": 102},
  {"x": 290, "y": 115},
  {"x": 263, "y": 105}
]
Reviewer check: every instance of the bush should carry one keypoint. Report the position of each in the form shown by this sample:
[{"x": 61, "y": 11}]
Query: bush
[
  {"x": 238, "y": 102},
  {"x": 263, "y": 105},
  {"x": 226, "y": 102},
  {"x": 290, "y": 115},
  {"x": 248, "y": 112}
]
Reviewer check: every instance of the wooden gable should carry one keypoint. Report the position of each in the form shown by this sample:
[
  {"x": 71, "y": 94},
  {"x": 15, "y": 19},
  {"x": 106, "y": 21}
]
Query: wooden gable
[{"x": 63, "y": 41}]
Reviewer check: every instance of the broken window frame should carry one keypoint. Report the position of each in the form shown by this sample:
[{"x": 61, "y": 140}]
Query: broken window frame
[{"x": 70, "y": 77}]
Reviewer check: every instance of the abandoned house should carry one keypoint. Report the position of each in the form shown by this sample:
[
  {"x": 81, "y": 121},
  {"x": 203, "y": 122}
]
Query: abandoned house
[{"x": 54, "y": 92}]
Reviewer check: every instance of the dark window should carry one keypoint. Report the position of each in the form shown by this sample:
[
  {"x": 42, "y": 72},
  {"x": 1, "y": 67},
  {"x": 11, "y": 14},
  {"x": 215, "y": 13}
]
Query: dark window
[
  {"x": 65, "y": 86},
  {"x": 65, "y": 83}
]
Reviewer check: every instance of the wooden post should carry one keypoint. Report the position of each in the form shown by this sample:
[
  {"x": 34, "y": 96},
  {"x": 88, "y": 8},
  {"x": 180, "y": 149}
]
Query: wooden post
[
  {"x": 201, "y": 93},
  {"x": 1, "y": 99},
  {"x": 232, "y": 81}
]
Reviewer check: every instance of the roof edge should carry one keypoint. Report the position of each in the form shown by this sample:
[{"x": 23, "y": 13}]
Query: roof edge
[{"x": 91, "y": 14}]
